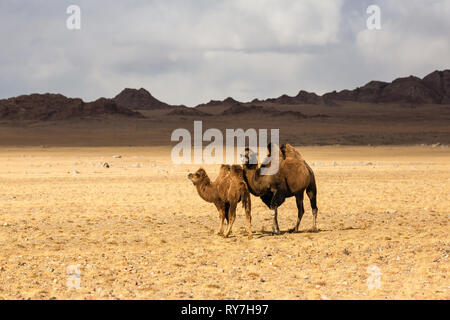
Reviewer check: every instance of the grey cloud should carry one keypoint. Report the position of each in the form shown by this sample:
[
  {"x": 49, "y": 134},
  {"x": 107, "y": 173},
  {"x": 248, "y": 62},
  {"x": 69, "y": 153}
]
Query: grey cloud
[{"x": 192, "y": 51}]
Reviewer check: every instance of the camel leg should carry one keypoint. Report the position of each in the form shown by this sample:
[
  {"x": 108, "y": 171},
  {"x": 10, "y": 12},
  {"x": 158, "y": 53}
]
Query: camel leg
[
  {"x": 248, "y": 215},
  {"x": 301, "y": 210},
  {"x": 275, "y": 228},
  {"x": 312, "y": 193},
  {"x": 220, "y": 231},
  {"x": 232, "y": 217},
  {"x": 221, "y": 210},
  {"x": 249, "y": 226}
]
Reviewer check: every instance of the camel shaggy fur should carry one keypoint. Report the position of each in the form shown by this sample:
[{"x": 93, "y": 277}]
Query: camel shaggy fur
[
  {"x": 225, "y": 192},
  {"x": 292, "y": 179}
]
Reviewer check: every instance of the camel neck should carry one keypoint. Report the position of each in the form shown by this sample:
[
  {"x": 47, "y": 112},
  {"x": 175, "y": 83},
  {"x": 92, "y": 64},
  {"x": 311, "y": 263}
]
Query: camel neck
[
  {"x": 206, "y": 191},
  {"x": 249, "y": 177}
]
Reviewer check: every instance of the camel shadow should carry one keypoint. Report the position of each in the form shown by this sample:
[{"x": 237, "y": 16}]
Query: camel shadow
[
  {"x": 265, "y": 233},
  {"x": 258, "y": 234},
  {"x": 343, "y": 229}
]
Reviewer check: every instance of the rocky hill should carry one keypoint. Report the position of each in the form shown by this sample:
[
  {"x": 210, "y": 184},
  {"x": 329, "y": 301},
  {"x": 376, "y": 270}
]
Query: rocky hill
[
  {"x": 139, "y": 100},
  {"x": 434, "y": 88},
  {"x": 58, "y": 107},
  {"x": 303, "y": 97},
  {"x": 213, "y": 103}
]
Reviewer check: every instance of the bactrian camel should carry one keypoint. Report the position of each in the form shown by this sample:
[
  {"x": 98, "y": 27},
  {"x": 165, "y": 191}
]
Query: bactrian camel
[
  {"x": 292, "y": 179},
  {"x": 225, "y": 192}
]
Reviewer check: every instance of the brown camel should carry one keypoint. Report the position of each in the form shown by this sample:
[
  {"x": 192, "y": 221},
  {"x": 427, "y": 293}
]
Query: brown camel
[
  {"x": 292, "y": 179},
  {"x": 225, "y": 192}
]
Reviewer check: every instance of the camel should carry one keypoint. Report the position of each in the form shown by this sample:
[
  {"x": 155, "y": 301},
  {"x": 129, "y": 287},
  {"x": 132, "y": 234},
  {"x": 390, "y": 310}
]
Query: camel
[
  {"x": 225, "y": 192},
  {"x": 292, "y": 179}
]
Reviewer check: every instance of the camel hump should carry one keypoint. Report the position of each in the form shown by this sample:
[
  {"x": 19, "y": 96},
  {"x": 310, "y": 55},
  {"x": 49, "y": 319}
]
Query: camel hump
[
  {"x": 236, "y": 171},
  {"x": 289, "y": 151},
  {"x": 224, "y": 170}
]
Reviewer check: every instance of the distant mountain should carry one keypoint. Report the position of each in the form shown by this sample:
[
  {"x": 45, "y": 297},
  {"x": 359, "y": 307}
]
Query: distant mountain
[
  {"x": 58, "y": 107},
  {"x": 302, "y": 97},
  {"x": 440, "y": 82},
  {"x": 434, "y": 88},
  {"x": 227, "y": 102},
  {"x": 139, "y": 100}
]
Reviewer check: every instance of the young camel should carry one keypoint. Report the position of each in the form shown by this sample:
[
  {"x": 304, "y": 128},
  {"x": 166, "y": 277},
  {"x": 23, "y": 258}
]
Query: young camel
[
  {"x": 292, "y": 179},
  {"x": 225, "y": 192}
]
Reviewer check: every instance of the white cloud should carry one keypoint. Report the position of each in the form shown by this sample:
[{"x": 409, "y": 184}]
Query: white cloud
[
  {"x": 190, "y": 51},
  {"x": 414, "y": 38}
]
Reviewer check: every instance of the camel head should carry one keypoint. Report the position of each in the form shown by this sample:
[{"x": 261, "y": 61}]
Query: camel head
[
  {"x": 250, "y": 158},
  {"x": 198, "y": 177}
]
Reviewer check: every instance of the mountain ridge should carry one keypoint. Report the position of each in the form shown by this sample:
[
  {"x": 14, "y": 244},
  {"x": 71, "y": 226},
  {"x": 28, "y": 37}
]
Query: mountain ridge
[{"x": 434, "y": 88}]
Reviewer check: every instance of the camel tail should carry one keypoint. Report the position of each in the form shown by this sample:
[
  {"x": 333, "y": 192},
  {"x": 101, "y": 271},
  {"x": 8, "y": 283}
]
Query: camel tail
[{"x": 311, "y": 190}]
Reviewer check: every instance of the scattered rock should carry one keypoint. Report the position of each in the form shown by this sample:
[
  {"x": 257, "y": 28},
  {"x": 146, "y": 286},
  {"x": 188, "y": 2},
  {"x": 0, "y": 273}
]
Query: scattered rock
[{"x": 438, "y": 144}]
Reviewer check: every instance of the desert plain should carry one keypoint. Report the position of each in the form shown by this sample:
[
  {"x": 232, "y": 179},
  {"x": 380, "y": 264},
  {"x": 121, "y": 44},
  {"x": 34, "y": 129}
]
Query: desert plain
[{"x": 138, "y": 229}]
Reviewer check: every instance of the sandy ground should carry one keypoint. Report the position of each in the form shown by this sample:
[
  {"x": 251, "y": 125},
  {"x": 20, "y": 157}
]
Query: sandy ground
[{"x": 138, "y": 230}]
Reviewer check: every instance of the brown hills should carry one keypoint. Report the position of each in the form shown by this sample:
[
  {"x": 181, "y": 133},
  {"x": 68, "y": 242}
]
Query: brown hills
[
  {"x": 434, "y": 88},
  {"x": 139, "y": 100},
  {"x": 213, "y": 103},
  {"x": 405, "y": 111},
  {"x": 58, "y": 107},
  {"x": 303, "y": 97}
]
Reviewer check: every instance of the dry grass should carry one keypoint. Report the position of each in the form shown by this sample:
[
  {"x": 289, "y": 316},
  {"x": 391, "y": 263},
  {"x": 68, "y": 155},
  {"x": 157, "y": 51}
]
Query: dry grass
[{"x": 138, "y": 229}]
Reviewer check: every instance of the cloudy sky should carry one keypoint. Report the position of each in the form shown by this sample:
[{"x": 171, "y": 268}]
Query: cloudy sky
[{"x": 191, "y": 51}]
